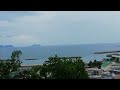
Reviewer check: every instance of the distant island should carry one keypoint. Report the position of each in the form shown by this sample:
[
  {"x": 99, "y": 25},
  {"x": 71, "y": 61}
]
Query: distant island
[
  {"x": 1, "y": 45},
  {"x": 6, "y": 46},
  {"x": 36, "y": 45}
]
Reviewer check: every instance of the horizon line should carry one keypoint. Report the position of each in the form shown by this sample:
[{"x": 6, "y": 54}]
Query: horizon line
[{"x": 54, "y": 44}]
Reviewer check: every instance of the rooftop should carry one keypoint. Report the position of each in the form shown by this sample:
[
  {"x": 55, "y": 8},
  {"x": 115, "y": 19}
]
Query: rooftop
[
  {"x": 117, "y": 77},
  {"x": 96, "y": 69}
]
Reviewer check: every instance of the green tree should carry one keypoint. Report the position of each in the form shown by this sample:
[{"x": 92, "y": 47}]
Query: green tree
[
  {"x": 35, "y": 72},
  {"x": 90, "y": 64},
  {"x": 54, "y": 68},
  {"x": 23, "y": 74},
  {"x": 8, "y": 67},
  {"x": 116, "y": 59},
  {"x": 57, "y": 68},
  {"x": 95, "y": 64}
]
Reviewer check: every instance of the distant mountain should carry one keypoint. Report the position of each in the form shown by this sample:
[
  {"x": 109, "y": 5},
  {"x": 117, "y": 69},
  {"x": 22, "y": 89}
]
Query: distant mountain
[
  {"x": 6, "y": 46},
  {"x": 36, "y": 45},
  {"x": 1, "y": 45}
]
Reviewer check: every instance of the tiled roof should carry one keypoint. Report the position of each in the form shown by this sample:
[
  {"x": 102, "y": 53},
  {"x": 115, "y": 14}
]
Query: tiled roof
[{"x": 117, "y": 77}]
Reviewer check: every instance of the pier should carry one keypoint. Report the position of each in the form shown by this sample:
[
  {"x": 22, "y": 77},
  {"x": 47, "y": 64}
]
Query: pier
[
  {"x": 106, "y": 52},
  {"x": 65, "y": 57}
]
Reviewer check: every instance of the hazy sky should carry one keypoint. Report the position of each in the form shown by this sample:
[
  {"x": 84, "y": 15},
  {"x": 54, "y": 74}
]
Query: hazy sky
[{"x": 23, "y": 28}]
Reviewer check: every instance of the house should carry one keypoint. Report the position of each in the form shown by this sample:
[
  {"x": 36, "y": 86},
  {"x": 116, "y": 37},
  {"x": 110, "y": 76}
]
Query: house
[{"x": 94, "y": 73}]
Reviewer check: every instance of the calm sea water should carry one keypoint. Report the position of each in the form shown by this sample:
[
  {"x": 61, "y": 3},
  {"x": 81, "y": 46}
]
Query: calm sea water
[{"x": 43, "y": 52}]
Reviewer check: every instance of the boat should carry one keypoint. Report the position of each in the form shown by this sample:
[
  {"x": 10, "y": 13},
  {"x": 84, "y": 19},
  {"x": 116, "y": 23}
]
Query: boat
[{"x": 31, "y": 59}]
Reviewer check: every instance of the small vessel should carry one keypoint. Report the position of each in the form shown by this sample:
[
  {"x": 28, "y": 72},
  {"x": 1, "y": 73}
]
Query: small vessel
[{"x": 31, "y": 59}]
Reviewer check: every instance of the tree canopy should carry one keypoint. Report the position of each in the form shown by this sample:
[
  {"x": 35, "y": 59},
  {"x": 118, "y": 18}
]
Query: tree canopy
[
  {"x": 54, "y": 68},
  {"x": 94, "y": 64},
  {"x": 8, "y": 67},
  {"x": 57, "y": 68}
]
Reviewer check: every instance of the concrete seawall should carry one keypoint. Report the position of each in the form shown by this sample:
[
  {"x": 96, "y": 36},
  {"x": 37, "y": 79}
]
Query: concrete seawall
[{"x": 28, "y": 66}]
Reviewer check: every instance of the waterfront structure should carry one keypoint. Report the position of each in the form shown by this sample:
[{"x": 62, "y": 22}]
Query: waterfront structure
[{"x": 94, "y": 73}]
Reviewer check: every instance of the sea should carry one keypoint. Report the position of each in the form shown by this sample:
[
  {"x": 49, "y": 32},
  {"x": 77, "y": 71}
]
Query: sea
[{"x": 42, "y": 53}]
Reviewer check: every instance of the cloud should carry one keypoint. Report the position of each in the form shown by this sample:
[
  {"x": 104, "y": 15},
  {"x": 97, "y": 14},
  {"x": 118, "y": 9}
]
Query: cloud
[
  {"x": 23, "y": 38},
  {"x": 20, "y": 40},
  {"x": 59, "y": 27}
]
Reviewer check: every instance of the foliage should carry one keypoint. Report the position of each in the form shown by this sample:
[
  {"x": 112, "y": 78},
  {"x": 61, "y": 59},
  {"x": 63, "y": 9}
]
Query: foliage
[
  {"x": 57, "y": 68},
  {"x": 54, "y": 68},
  {"x": 94, "y": 64},
  {"x": 114, "y": 59},
  {"x": 22, "y": 74},
  {"x": 7, "y": 67},
  {"x": 32, "y": 73}
]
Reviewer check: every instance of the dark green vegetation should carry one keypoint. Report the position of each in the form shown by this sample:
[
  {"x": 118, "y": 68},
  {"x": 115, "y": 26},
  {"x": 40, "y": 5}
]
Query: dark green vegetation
[
  {"x": 8, "y": 67},
  {"x": 54, "y": 68},
  {"x": 95, "y": 64},
  {"x": 115, "y": 59}
]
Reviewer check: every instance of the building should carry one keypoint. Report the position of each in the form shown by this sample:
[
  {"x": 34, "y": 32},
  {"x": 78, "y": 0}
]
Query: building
[{"x": 94, "y": 73}]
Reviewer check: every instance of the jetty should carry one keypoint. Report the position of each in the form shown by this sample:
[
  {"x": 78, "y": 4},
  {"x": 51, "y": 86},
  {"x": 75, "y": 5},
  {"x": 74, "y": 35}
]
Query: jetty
[
  {"x": 65, "y": 57},
  {"x": 106, "y": 52}
]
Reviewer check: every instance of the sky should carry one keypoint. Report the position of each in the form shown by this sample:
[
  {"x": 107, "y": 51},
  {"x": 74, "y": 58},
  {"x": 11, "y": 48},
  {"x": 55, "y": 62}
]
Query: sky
[{"x": 24, "y": 28}]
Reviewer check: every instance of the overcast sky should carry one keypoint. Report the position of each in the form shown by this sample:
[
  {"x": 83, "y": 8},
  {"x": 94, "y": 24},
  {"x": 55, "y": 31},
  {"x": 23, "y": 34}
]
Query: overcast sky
[{"x": 24, "y": 28}]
